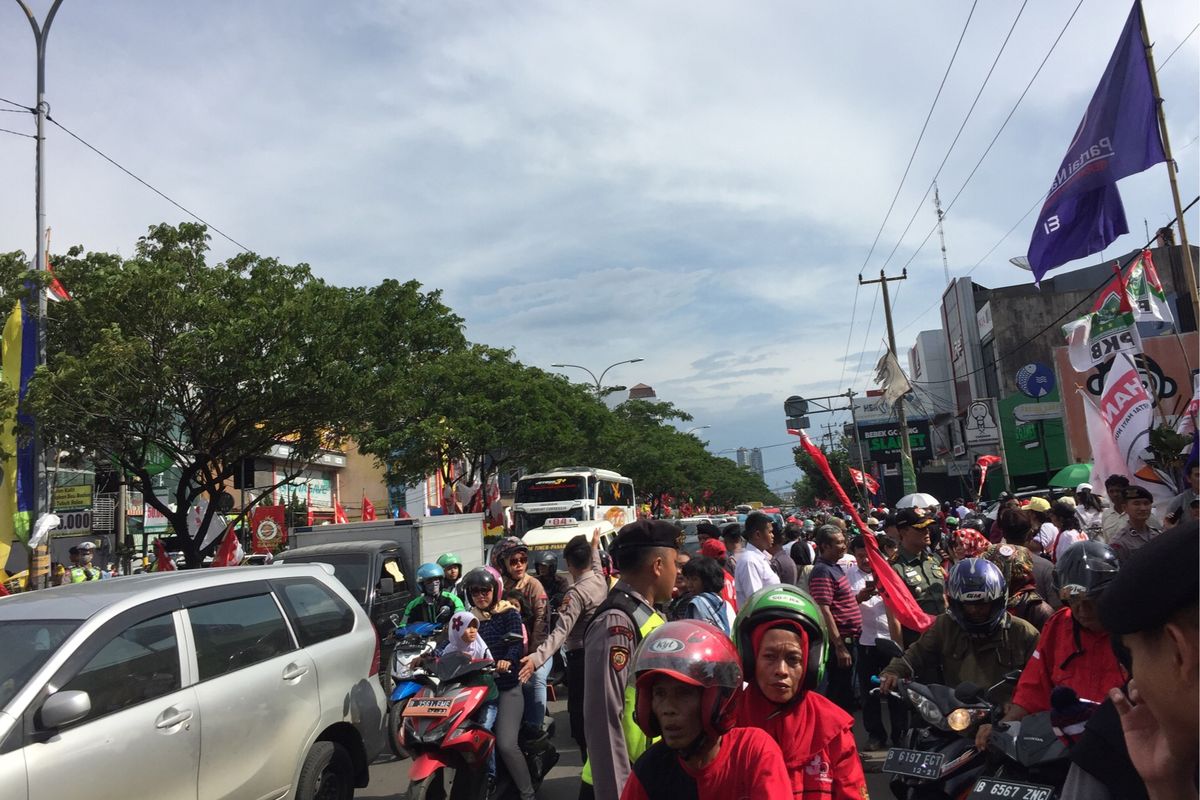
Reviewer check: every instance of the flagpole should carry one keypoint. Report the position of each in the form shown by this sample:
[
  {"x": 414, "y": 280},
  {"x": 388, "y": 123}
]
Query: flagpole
[{"x": 1171, "y": 167}]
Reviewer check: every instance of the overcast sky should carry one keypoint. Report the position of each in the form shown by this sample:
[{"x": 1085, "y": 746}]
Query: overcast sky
[{"x": 695, "y": 184}]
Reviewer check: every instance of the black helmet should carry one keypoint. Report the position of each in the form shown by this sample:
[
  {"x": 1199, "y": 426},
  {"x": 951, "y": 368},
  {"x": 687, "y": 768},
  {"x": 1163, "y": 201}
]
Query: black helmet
[
  {"x": 482, "y": 578},
  {"x": 548, "y": 559},
  {"x": 1085, "y": 568}
]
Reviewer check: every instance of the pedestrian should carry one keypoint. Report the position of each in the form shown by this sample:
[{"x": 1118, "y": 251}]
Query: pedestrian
[
  {"x": 579, "y": 604},
  {"x": 965, "y": 543},
  {"x": 920, "y": 570},
  {"x": 644, "y": 551},
  {"x": 703, "y": 581},
  {"x": 780, "y": 636},
  {"x": 734, "y": 541},
  {"x": 499, "y": 624},
  {"x": 830, "y": 590},
  {"x": 1139, "y": 529},
  {"x": 753, "y": 569},
  {"x": 715, "y": 549},
  {"x": 781, "y": 560},
  {"x": 84, "y": 570},
  {"x": 868, "y": 659},
  {"x": 1089, "y": 508},
  {"x": 688, "y": 678},
  {"x": 1159, "y": 629},
  {"x": 705, "y": 531},
  {"x": 1038, "y": 509},
  {"x": 1017, "y": 527},
  {"x": 510, "y": 557},
  {"x": 1070, "y": 530},
  {"x": 1175, "y": 509},
  {"x": 1024, "y": 600},
  {"x": 995, "y": 534}
]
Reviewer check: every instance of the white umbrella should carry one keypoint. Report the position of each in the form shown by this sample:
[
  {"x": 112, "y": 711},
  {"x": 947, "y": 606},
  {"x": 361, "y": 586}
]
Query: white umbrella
[{"x": 917, "y": 500}]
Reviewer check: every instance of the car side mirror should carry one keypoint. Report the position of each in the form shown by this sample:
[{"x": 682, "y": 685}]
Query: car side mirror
[
  {"x": 387, "y": 585},
  {"x": 888, "y": 648},
  {"x": 63, "y": 708}
]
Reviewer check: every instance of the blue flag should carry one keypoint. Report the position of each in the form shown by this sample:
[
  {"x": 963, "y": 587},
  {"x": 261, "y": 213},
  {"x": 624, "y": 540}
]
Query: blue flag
[{"x": 1117, "y": 137}]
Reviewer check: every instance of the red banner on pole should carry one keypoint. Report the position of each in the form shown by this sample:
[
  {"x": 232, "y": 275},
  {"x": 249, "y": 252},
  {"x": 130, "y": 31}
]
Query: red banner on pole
[
  {"x": 268, "y": 528},
  {"x": 894, "y": 592}
]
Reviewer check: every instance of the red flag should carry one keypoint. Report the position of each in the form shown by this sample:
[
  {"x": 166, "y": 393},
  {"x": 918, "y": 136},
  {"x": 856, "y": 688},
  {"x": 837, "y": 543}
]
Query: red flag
[
  {"x": 162, "y": 562},
  {"x": 895, "y": 594},
  {"x": 308, "y": 504},
  {"x": 983, "y": 462},
  {"x": 859, "y": 477},
  {"x": 339, "y": 513},
  {"x": 229, "y": 554},
  {"x": 55, "y": 291},
  {"x": 368, "y": 510},
  {"x": 268, "y": 528},
  {"x": 402, "y": 513}
]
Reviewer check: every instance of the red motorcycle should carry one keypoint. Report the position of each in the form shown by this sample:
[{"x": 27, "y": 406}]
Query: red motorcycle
[{"x": 443, "y": 731}]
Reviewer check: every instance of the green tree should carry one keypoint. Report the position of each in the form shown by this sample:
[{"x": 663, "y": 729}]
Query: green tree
[
  {"x": 813, "y": 485},
  {"x": 212, "y": 364}
]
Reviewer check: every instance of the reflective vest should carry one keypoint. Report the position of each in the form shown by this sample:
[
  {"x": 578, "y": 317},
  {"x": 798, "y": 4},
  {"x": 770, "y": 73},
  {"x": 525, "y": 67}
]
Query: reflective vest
[
  {"x": 643, "y": 622},
  {"x": 81, "y": 574}
]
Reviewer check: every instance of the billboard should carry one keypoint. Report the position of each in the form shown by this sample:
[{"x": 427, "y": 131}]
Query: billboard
[{"x": 882, "y": 441}]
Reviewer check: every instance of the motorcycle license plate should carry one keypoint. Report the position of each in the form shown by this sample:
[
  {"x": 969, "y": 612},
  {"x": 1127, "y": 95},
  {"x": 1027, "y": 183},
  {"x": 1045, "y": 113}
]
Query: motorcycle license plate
[
  {"x": 428, "y": 707},
  {"x": 994, "y": 789},
  {"x": 914, "y": 763}
]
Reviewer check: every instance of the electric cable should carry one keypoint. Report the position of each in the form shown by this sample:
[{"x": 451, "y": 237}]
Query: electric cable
[
  {"x": 158, "y": 192},
  {"x": 1176, "y": 50},
  {"x": 18, "y": 133},
  {"x": 18, "y": 105}
]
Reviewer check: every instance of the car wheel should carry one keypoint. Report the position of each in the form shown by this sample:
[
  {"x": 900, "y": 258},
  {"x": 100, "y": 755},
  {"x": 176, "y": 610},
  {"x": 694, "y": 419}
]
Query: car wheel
[
  {"x": 327, "y": 774},
  {"x": 394, "y": 721}
]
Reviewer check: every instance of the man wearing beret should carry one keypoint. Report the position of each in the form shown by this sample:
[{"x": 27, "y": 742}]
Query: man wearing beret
[
  {"x": 645, "y": 553},
  {"x": 1142, "y": 742},
  {"x": 1140, "y": 529},
  {"x": 921, "y": 572}
]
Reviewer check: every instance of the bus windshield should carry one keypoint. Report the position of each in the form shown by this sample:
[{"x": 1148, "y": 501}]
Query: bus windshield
[{"x": 551, "y": 490}]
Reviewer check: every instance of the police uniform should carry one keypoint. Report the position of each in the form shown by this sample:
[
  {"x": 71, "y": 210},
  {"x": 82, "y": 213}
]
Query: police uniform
[
  {"x": 578, "y": 607},
  {"x": 620, "y": 623},
  {"x": 922, "y": 573}
]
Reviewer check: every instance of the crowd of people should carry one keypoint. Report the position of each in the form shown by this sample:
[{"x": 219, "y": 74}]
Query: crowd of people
[{"x": 731, "y": 665}]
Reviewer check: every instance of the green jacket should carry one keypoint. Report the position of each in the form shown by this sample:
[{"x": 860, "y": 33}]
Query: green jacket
[
  {"x": 946, "y": 652},
  {"x": 422, "y": 609}
]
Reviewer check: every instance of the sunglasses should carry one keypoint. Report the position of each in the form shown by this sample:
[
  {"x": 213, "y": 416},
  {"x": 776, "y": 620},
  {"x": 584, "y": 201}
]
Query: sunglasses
[
  {"x": 481, "y": 590},
  {"x": 518, "y": 560}
]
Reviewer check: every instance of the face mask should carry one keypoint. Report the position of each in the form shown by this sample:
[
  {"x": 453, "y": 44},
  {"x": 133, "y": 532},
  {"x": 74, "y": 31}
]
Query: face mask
[{"x": 433, "y": 587}]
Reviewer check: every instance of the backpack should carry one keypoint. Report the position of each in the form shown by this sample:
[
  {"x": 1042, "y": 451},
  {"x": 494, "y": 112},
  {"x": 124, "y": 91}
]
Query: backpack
[{"x": 710, "y": 608}]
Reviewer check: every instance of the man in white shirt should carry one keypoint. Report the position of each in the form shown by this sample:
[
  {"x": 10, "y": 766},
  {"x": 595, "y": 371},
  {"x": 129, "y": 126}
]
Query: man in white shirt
[
  {"x": 753, "y": 570},
  {"x": 875, "y": 622}
]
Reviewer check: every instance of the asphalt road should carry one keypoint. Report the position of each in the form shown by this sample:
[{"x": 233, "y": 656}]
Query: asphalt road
[{"x": 389, "y": 778}]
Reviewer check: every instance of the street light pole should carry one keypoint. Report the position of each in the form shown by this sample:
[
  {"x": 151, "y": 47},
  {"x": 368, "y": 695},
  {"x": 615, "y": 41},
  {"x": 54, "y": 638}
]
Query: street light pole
[
  {"x": 598, "y": 382},
  {"x": 690, "y": 431},
  {"x": 40, "y": 34}
]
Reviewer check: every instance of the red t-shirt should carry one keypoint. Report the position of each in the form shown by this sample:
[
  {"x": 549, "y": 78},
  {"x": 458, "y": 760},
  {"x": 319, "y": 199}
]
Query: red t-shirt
[
  {"x": 749, "y": 766},
  {"x": 1091, "y": 673},
  {"x": 729, "y": 593}
]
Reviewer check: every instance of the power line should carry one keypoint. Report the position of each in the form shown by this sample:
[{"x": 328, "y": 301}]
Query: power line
[
  {"x": 158, "y": 192},
  {"x": 18, "y": 105},
  {"x": 1176, "y": 50},
  {"x": 850, "y": 332},
  {"x": 1061, "y": 317},
  {"x": 18, "y": 133}
]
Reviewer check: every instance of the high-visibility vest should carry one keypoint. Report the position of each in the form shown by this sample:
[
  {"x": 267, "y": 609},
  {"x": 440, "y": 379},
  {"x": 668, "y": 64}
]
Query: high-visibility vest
[
  {"x": 81, "y": 574},
  {"x": 636, "y": 741}
]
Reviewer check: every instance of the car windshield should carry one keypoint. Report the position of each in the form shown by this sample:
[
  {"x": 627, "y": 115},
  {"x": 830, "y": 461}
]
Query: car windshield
[
  {"x": 25, "y": 645},
  {"x": 349, "y": 568},
  {"x": 551, "y": 490}
]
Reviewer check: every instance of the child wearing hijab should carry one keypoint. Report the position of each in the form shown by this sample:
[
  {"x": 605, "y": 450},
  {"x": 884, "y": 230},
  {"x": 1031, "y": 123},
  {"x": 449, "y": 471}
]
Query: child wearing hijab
[{"x": 464, "y": 638}]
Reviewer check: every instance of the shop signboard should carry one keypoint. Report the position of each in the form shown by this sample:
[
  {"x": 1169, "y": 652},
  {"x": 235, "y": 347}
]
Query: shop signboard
[
  {"x": 68, "y": 498},
  {"x": 883, "y": 441}
]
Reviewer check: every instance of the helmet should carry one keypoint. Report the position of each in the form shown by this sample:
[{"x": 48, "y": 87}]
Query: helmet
[
  {"x": 482, "y": 577},
  {"x": 505, "y": 548},
  {"x": 547, "y": 558},
  {"x": 1085, "y": 568},
  {"x": 782, "y": 602},
  {"x": 429, "y": 572},
  {"x": 976, "y": 580},
  {"x": 695, "y": 653},
  {"x": 449, "y": 560}
]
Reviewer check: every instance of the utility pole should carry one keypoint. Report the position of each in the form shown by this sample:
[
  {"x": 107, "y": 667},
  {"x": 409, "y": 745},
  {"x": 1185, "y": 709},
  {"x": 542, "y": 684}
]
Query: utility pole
[
  {"x": 937, "y": 205},
  {"x": 907, "y": 468},
  {"x": 862, "y": 467}
]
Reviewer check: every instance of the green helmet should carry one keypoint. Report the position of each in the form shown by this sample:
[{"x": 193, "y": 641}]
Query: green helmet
[
  {"x": 449, "y": 560},
  {"x": 782, "y": 602}
]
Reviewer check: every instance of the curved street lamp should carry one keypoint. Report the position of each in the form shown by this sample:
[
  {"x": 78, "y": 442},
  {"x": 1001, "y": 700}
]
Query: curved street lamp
[
  {"x": 690, "y": 431},
  {"x": 598, "y": 382}
]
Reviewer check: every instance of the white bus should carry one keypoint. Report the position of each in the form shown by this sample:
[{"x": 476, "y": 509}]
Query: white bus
[{"x": 578, "y": 493}]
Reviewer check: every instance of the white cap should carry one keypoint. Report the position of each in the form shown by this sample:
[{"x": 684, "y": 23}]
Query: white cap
[
  {"x": 1083, "y": 487},
  {"x": 86, "y": 545}
]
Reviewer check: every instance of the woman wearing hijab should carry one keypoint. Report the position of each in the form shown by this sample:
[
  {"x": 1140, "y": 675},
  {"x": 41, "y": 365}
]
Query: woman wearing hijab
[
  {"x": 1016, "y": 565},
  {"x": 965, "y": 543},
  {"x": 500, "y": 629},
  {"x": 780, "y": 636}
]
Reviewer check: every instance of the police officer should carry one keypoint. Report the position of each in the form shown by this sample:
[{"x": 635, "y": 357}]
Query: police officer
[
  {"x": 575, "y": 612},
  {"x": 83, "y": 569},
  {"x": 645, "y": 553},
  {"x": 920, "y": 570}
]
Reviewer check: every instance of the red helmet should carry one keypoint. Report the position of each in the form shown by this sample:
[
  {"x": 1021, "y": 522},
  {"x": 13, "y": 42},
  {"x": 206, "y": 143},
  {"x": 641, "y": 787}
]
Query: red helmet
[{"x": 694, "y": 653}]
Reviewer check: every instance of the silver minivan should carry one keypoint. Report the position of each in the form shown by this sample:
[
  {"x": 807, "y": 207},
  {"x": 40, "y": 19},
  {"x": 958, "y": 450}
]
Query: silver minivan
[{"x": 247, "y": 682}]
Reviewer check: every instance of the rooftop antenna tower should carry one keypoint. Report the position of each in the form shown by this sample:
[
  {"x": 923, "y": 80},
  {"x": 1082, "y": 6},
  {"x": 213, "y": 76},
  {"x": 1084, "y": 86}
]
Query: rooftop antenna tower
[{"x": 937, "y": 204}]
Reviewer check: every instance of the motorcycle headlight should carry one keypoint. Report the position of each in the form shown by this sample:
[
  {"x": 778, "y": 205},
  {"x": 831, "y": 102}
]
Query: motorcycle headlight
[
  {"x": 959, "y": 719},
  {"x": 402, "y": 667},
  {"x": 927, "y": 709}
]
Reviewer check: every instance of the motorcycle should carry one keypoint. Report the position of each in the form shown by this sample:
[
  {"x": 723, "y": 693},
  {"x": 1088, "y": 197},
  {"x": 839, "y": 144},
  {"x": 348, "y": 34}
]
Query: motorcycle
[
  {"x": 443, "y": 729},
  {"x": 413, "y": 643},
  {"x": 1026, "y": 758}
]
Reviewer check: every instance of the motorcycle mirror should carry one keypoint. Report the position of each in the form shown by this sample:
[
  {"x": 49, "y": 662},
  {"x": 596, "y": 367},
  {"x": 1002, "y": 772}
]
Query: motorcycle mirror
[
  {"x": 446, "y": 614},
  {"x": 1012, "y": 677},
  {"x": 888, "y": 648},
  {"x": 967, "y": 692}
]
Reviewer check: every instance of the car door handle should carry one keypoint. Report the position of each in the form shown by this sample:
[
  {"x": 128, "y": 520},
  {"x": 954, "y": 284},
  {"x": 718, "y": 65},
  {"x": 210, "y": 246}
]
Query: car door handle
[
  {"x": 176, "y": 717},
  {"x": 293, "y": 671}
]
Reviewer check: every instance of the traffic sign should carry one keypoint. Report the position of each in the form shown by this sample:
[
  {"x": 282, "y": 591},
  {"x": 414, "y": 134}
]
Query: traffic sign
[
  {"x": 795, "y": 406},
  {"x": 1035, "y": 380}
]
